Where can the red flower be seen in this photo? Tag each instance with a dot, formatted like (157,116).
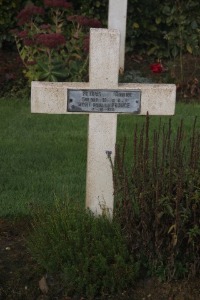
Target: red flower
(157,68)
(57,3)
(30,10)
(50,40)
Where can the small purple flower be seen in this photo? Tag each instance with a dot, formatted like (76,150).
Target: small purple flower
(22,34)
(45,26)
(94,23)
(57,3)
(86,44)
(84,21)
(28,12)
(14,31)
(50,40)
(72,18)
(28,42)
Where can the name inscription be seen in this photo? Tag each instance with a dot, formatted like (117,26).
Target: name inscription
(119,101)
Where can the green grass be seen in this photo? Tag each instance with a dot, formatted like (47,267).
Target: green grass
(187,112)
(43,157)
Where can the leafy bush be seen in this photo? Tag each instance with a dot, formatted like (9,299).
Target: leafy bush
(160,29)
(87,252)
(157,199)
(165,29)
(7,21)
(8,12)
(134,76)
(98,9)
(52,43)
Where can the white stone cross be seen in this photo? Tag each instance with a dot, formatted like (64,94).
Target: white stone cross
(117,12)
(58,98)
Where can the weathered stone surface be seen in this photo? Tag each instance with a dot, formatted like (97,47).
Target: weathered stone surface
(117,12)
(51,98)
(47,97)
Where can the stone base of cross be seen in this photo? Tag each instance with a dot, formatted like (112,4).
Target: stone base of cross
(102,98)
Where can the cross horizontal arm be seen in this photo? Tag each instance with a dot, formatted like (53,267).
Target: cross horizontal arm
(51,98)
(104,92)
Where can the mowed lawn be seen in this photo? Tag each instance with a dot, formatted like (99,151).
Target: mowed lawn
(43,157)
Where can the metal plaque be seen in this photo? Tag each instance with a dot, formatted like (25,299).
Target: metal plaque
(103,101)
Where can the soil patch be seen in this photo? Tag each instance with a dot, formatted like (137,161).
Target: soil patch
(20,274)
(18,271)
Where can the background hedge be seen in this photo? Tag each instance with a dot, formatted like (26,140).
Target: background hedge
(154,27)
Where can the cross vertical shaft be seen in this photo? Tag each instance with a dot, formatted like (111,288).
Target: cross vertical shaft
(104,67)
(53,98)
(117,13)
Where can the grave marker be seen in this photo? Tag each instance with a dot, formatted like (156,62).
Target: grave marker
(117,12)
(103,98)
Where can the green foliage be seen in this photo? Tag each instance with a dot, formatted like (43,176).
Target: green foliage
(157,199)
(142,32)
(98,9)
(134,76)
(88,252)
(7,21)
(183,21)
(52,43)
(165,29)
(56,71)
(157,28)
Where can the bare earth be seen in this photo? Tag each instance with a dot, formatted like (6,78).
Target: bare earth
(20,274)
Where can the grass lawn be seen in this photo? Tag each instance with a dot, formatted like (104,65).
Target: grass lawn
(43,157)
